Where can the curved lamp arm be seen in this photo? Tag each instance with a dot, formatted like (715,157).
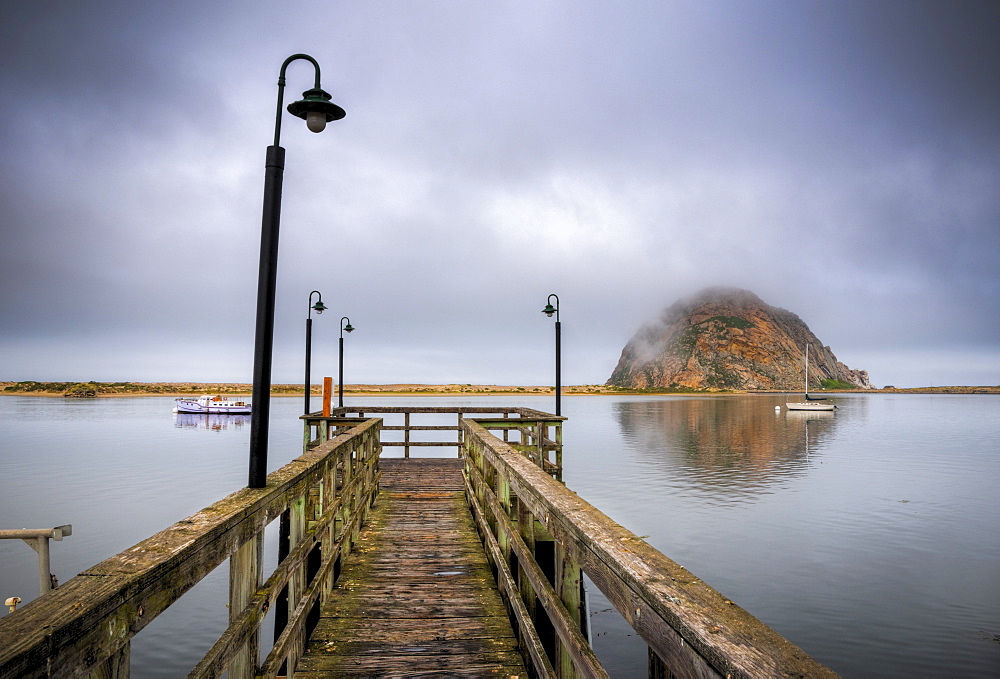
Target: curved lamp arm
(318,306)
(347,328)
(549,309)
(315,106)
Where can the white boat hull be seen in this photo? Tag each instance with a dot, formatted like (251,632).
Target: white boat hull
(207,404)
(810,406)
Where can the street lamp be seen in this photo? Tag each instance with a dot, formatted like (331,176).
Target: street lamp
(317,110)
(320,308)
(548,311)
(343,328)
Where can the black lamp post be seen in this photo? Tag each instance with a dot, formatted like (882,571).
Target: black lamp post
(340,383)
(548,311)
(320,308)
(317,110)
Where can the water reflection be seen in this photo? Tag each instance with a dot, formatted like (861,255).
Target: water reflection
(213,421)
(727,445)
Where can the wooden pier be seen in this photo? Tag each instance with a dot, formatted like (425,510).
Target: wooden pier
(471,565)
(418,592)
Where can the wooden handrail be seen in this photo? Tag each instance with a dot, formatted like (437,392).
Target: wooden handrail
(531,426)
(691,629)
(86,624)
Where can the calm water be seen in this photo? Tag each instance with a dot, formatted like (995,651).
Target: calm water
(868,536)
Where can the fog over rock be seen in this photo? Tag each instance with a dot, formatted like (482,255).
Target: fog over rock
(727,338)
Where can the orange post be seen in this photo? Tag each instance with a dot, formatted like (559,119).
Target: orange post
(327,393)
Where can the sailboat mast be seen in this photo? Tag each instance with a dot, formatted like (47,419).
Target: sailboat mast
(807,371)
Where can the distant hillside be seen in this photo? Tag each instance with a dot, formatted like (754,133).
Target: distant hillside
(726,338)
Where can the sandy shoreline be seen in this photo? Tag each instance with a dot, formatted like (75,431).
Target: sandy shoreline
(180,389)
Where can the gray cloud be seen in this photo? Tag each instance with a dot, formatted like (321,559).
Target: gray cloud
(839,160)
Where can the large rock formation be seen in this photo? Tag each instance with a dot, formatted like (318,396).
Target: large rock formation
(725,338)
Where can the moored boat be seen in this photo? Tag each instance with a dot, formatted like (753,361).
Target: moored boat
(810,405)
(211,404)
(811,402)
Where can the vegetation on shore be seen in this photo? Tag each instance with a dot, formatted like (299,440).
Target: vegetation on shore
(837,384)
(97,389)
(94,389)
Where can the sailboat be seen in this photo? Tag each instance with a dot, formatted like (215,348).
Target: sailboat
(811,403)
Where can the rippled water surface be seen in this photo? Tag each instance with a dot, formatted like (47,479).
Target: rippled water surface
(868,536)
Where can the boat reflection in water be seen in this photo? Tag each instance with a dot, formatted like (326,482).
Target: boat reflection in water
(213,421)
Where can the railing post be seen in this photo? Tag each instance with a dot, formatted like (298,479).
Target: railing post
(559,451)
(307,431)
(503,531)
(339,521)
(569,587)
(281,601)
(526,527)
(375,452)
(358,499)
(245,565)
(540,432)
(348,500)
(115,667)
(297,525)
(44,573)
(406,435)
(327,499)
(656,668)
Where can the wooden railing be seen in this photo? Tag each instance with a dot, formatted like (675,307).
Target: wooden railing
(542,538)
(535,433)
(85,626)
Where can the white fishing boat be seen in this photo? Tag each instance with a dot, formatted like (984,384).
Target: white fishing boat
(811,403)
(211,404)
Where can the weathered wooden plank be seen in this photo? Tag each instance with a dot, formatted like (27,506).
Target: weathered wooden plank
(417,630)
(408,663)
(417,596)
(454,646)
(424,666)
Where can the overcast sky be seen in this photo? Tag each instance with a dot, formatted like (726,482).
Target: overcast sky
(839,159)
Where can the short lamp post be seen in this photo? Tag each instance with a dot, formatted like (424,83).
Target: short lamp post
(317,110)
(340,372)
(320,308)
(549,310)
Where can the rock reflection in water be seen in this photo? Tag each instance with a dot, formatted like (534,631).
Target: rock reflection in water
(725,444)
(213,421)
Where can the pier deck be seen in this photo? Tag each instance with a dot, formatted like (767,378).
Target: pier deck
(417,597)
(472,565)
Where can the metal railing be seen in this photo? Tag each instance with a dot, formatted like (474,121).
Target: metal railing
(38,540)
